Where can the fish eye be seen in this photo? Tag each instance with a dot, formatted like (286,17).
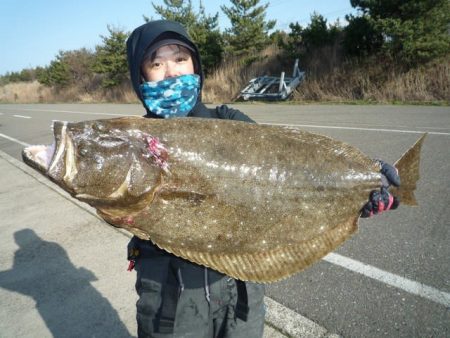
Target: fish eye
(83,151)
(82,148)
(98,126)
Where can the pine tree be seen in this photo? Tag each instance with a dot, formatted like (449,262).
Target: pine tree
(318,33)
(111,58)
(177,10)
(57,74)
(303,41)
(413,30)
(202,28)
(361,38)
(249,32)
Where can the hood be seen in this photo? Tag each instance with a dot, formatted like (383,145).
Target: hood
(147,35)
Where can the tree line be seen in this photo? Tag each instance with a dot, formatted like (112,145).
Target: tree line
(408,32)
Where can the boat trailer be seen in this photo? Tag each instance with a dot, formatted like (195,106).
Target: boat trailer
(272,87)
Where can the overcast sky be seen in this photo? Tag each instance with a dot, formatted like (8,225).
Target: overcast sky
(32,32)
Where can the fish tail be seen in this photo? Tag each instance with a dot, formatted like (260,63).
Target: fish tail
(408,169)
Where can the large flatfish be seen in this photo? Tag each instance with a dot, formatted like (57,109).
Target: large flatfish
(256,202)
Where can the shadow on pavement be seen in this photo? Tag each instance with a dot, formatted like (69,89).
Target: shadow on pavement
(65,299)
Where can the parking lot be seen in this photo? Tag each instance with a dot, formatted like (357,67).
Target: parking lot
(393,277)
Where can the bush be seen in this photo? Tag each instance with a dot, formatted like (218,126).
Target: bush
(304,43)
(111,58)
(413,31)
(57,74)
(360,37)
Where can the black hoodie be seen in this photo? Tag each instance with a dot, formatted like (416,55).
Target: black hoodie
(151,33)
(138,43)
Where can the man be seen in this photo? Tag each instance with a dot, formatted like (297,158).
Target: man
(178,298)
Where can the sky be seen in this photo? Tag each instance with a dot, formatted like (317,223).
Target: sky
(32,32)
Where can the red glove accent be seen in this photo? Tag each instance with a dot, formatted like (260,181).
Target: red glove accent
(379,201)
(131,265)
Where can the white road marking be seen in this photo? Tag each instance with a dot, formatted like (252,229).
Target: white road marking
(274,124)
(22,116)
(73,112)
(14,140)
(399,282)
(372,125)
(357,128)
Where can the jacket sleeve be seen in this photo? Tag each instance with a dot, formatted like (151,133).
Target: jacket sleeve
(225,112)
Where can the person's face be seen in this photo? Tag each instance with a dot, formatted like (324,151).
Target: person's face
(169,61)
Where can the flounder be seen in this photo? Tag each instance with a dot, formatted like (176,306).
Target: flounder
(256,202)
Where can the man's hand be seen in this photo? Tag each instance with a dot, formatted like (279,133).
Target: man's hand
(389,174)
(381,200)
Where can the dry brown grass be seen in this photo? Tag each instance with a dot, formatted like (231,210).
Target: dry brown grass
(224,84)
(328,78)
(34,92)
(121,94)
(24,92)
(430,83)
(379,82)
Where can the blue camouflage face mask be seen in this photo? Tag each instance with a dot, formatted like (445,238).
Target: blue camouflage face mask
(171,97)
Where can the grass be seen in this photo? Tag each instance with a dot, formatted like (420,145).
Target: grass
(372,81)
(329,79)
(24,92)
(226,82)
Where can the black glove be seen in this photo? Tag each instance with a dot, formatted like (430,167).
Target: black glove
(381,200)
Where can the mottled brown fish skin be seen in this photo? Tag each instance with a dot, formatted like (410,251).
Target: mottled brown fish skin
(256,202)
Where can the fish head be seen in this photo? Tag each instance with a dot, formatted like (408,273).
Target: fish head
(102,162)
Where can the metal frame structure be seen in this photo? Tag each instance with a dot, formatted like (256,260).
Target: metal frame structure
(272,87)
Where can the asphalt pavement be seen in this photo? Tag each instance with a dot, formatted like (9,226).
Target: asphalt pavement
(392,279)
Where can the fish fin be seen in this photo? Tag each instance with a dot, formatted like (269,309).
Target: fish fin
(408,167)
(271,265)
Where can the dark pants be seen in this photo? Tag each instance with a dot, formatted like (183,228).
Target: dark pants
(195,316)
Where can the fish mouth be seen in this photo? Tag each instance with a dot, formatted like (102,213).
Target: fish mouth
(51,160)
(39,156)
